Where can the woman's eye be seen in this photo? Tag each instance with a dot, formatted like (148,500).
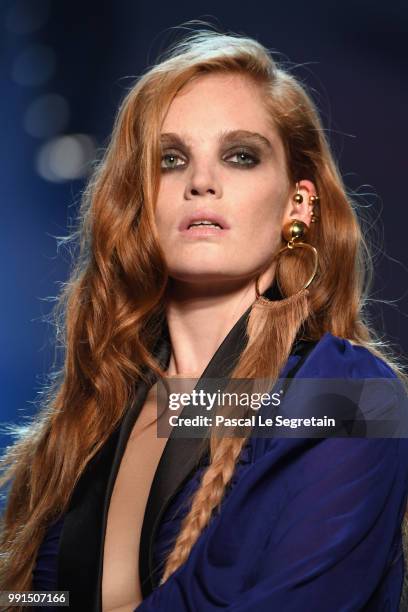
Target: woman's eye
(243,157)
(172,158)
(171,161)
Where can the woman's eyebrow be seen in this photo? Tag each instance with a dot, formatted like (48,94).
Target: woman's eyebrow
(255,137)
(171,138)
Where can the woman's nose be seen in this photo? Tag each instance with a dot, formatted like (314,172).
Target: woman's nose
(203,182)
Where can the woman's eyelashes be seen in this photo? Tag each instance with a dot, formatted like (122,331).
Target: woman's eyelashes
(172,157)
(243,155)
(246,159)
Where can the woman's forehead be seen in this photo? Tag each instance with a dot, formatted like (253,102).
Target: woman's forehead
(213,104)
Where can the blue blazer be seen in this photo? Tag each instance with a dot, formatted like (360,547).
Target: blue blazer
(305,524)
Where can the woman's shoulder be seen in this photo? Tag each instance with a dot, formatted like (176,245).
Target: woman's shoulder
(365,396)
(334,356)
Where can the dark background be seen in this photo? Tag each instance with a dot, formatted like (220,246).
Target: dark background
(65,66)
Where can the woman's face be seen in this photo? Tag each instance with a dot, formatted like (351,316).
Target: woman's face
(221,161)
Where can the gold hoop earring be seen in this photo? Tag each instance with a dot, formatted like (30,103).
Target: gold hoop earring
(293,231)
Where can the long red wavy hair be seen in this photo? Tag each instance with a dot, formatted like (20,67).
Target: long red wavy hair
(110,311)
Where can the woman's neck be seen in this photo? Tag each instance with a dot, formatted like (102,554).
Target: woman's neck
(199,318)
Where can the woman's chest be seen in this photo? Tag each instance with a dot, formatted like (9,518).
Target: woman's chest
(120,581)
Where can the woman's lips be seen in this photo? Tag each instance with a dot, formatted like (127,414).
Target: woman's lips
(201,231)
(203,214)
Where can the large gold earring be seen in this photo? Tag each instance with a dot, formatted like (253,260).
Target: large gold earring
(293,231)
(279,321)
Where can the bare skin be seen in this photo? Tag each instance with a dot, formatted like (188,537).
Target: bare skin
(121,590)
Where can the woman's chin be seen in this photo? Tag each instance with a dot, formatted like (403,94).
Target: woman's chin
(200,276)
(208,279)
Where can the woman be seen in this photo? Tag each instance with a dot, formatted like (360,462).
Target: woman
(201,232)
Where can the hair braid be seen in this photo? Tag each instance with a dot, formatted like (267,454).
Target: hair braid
(208,497)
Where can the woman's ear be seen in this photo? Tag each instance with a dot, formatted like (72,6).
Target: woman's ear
(300,210)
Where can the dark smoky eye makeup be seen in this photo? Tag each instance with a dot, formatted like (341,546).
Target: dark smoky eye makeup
(250,155)
(172,153)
